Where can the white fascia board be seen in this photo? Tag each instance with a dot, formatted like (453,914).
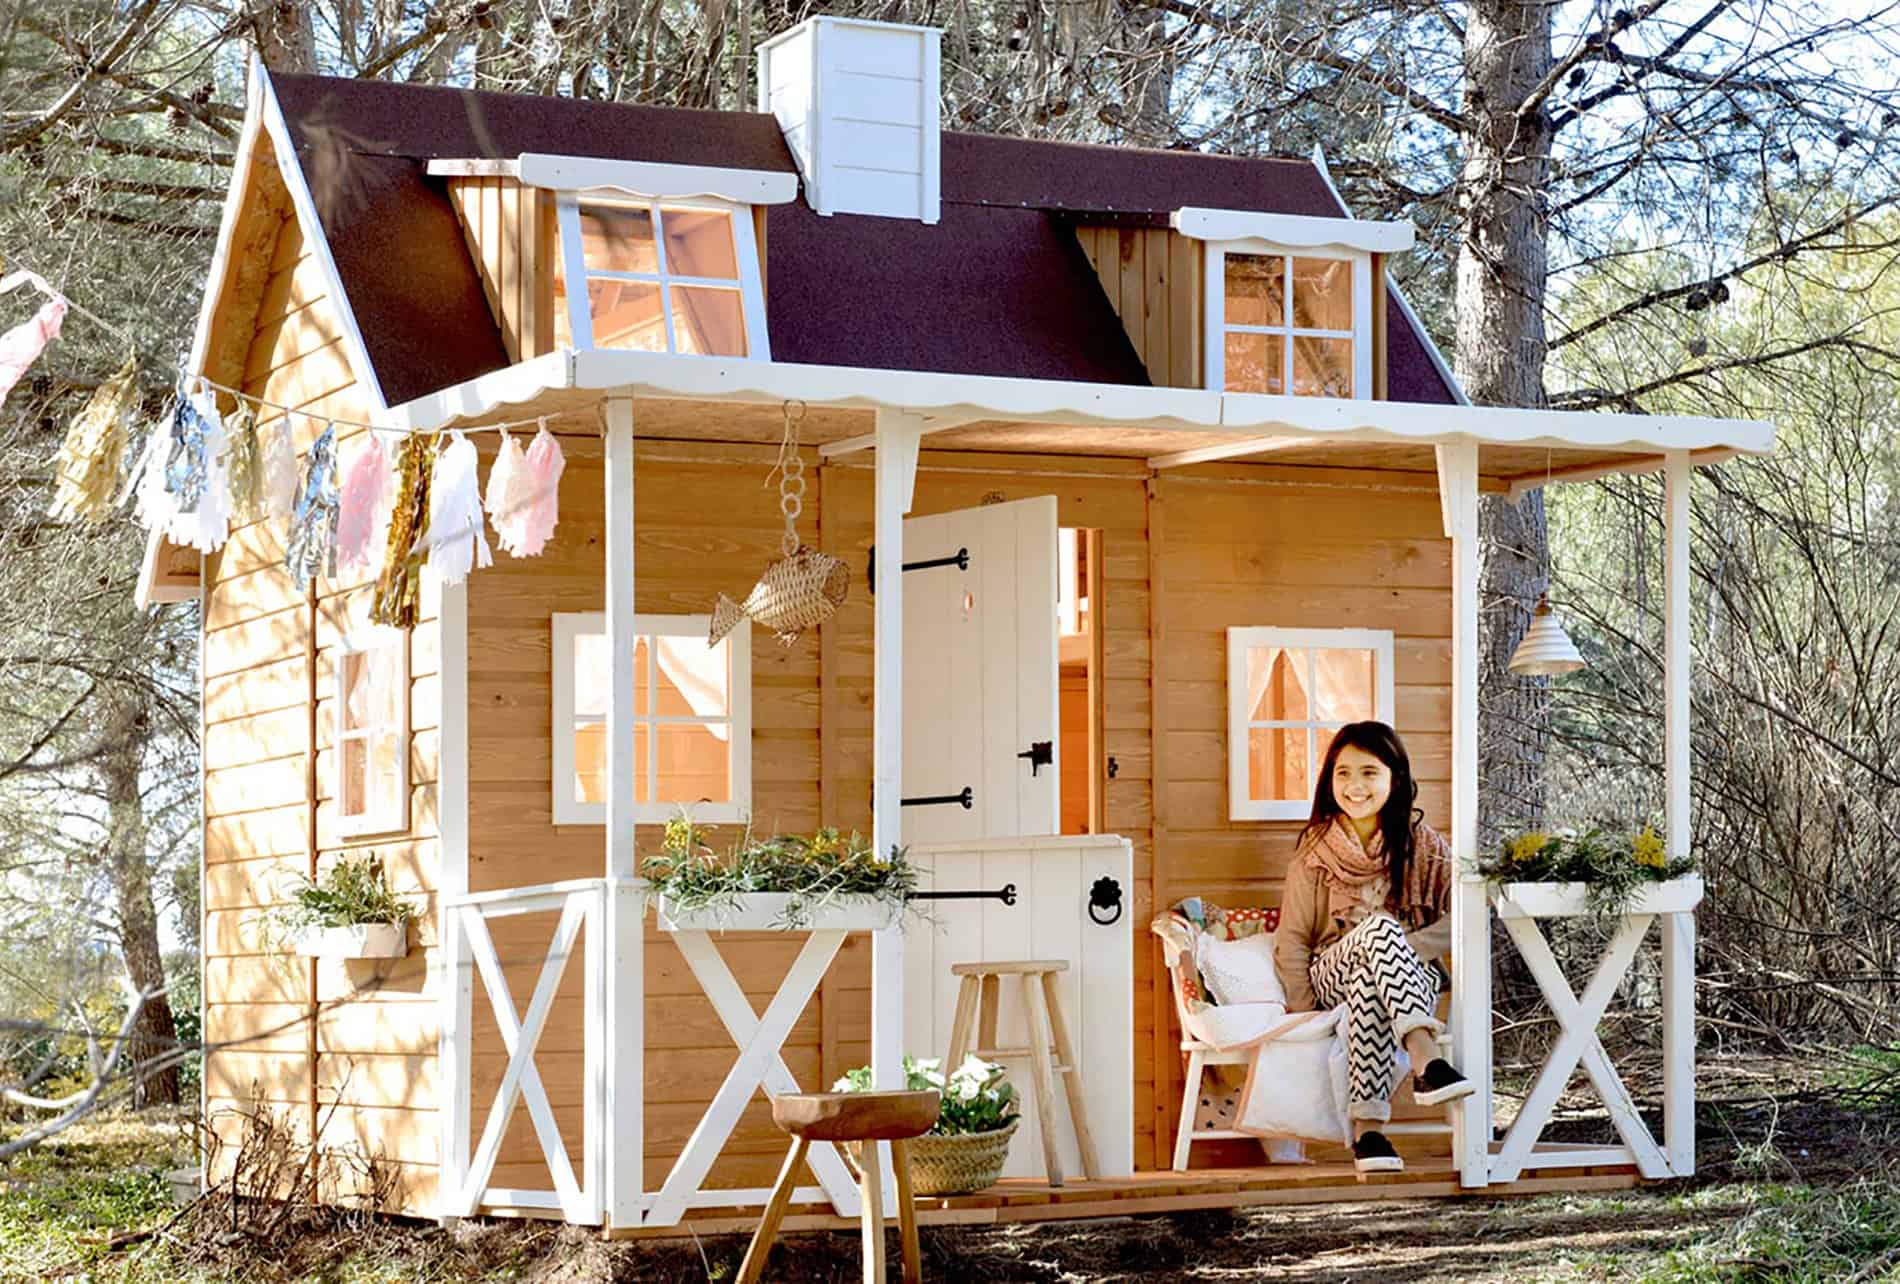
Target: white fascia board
(150,592)
(1293,231)
(977,397)
(833,20)
(654,180)
(290,165)
(234,198)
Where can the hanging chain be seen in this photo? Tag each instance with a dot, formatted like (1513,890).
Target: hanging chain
(791,478)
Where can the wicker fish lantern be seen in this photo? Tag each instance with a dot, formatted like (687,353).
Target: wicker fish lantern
(803,587)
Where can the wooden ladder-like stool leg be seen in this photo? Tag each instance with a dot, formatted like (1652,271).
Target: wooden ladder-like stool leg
(907,1214)
(1042,1075)
(964,1023)
(753,1268)
(1072,1081)
(871,1195)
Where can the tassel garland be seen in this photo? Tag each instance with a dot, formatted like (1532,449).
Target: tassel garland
(508,494)
(364,507)
(86,469)
(242,465)
(195,475)
(544,463)
(397,598)
(458,539)
(21,346)
(277,473)
(311,547)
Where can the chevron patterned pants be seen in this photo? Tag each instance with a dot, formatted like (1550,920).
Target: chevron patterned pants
(1389,991)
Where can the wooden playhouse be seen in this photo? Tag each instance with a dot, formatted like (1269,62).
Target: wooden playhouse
(1159,468)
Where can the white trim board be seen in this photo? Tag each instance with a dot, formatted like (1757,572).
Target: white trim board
(1293,231)
(648,374)
(654,180)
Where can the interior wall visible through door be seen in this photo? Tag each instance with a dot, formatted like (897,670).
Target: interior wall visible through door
(1079,677)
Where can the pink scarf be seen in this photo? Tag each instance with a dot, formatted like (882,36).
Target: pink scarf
(1345,865)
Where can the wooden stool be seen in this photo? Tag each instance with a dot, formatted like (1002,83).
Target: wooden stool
(869,1117)
(1042,1012)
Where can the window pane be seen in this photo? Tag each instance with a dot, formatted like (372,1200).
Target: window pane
(1322,294)
(694,763)
(1255,362)
(1256,289)
(699,243)
(352,786)
(382,663)
(692,678)
(627,315)
(590,763)
(355,713)
(707,321)
(385,775)
(1343,685)
(617,239)
(590,675)
(1322,367)
(1276,685)
(1276,764)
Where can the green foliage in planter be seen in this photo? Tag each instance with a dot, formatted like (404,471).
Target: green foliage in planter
(1613,865)
(814,872)
(976,1096)
(351,891)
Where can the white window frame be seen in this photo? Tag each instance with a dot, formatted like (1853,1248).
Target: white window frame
(1241,640)
(393,816)
(569,809)
(576,273)
(1216,325)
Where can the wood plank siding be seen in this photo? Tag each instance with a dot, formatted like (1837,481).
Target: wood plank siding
(348,1043)
(510,233)
(1152,277)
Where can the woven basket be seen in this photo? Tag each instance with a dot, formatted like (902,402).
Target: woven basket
(957,1165)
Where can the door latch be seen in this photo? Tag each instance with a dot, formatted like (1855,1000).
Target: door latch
(1041,753)
(1105,901)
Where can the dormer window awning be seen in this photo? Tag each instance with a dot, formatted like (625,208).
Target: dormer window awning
(1294,231)
(593,175)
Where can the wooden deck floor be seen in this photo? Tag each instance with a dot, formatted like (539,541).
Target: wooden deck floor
(1024,1200)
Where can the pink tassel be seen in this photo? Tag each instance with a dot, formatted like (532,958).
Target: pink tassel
(508,494)
(365,504)
(544,466)
(21,346)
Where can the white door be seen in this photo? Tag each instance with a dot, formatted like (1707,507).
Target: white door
(980,673)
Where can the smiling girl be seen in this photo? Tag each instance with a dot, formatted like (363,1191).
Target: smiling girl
(1366,905)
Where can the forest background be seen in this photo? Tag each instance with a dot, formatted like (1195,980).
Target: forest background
(1651,205)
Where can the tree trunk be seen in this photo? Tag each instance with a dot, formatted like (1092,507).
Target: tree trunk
(1502,270)
(155,1034)
(286,38)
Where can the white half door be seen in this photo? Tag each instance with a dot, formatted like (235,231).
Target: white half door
(980,673)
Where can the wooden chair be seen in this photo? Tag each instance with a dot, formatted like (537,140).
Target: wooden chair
(977,1000)
(868,1118)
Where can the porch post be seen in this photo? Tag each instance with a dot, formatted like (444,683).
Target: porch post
(1470,912)
(456,1036)
(1678,930)
(897,437)
(617,1069)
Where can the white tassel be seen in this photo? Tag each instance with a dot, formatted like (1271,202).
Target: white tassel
(277,473)
(154,504)
(208,523)
(458,540)
(508,495)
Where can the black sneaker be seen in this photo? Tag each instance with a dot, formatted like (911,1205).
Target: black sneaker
(1372,1153)
(1440,1083)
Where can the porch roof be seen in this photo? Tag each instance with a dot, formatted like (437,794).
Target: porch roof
(1169,427)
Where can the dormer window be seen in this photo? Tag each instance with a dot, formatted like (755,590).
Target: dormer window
(1289,306)
(679,276)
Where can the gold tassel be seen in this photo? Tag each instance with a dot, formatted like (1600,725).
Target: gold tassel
(240,435)
(86,469)
(397,600)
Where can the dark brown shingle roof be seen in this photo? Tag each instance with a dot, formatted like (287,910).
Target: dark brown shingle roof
(998,287)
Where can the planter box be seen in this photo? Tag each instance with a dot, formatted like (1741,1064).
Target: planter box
(357,941)
(765,912)
(1564,900)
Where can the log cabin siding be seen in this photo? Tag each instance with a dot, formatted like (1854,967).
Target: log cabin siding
(510,233)
(1152,277)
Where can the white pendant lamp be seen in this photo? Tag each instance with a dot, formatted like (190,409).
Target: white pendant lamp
(1546,650)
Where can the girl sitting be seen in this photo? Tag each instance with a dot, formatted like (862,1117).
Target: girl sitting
(1367,904)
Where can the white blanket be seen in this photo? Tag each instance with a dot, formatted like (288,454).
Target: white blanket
(1296,1084)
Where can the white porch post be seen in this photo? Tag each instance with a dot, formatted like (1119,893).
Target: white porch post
(1470,912)
(457,1013)
(1678,930)
(618,1072)
(898,434)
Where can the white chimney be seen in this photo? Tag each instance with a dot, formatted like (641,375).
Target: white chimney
(858,103)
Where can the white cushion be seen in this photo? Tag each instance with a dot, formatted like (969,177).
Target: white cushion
(1233,1025)
(1241,971)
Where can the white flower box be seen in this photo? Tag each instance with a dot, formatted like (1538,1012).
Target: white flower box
(357,941)
(1565,900)
(765,912)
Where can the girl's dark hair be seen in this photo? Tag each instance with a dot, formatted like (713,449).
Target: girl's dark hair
(1400,810)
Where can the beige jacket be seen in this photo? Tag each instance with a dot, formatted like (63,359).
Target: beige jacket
(1314,914)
